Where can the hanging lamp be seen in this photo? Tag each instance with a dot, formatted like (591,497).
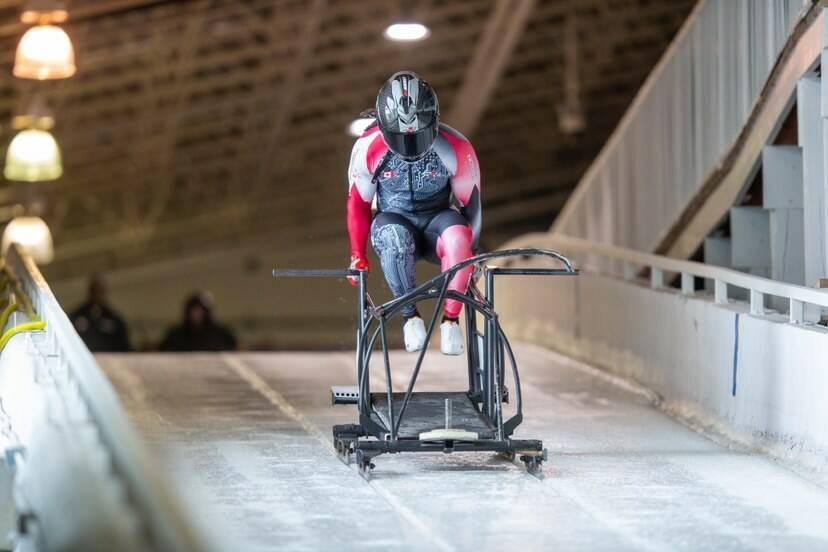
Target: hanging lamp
(45,51)
(33,235)
(33,154)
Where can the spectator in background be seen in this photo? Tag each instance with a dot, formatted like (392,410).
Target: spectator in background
(100,327)
(198,331)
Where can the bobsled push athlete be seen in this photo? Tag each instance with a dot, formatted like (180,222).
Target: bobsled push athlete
(426,180)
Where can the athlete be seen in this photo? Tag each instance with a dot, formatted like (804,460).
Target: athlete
(426,180)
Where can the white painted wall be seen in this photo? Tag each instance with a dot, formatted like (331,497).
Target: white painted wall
(683,348)
(294,313)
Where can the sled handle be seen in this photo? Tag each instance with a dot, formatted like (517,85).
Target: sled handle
(315,272)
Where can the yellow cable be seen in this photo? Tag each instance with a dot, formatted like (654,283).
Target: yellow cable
(4,281)
(20,328)
(4,316)
(21,297)
(33,325)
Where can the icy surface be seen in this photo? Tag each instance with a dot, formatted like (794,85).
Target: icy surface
(250,436)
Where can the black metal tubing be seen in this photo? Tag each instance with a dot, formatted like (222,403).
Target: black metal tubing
(494,338)
(532,271)
(510,424)
(364,383)
(473,356)
(416,445)
(315,272)
(379,314)
(496,348)
(362,366)
(390,390)
(448,274)
(421,356)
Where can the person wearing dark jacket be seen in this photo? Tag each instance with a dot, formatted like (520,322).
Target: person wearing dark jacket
(100,327)
(198,331)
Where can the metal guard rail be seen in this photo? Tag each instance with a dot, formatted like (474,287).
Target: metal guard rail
(632,261)
(162,524)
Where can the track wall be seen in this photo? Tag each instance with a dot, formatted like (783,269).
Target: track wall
(758,380)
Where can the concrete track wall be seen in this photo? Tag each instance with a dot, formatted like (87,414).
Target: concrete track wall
(73,474)
(757,379)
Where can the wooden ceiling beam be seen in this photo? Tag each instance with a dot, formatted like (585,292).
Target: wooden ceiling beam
(503,29)
(85,11)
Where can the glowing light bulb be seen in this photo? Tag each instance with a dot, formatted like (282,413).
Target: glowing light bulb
(407,32)
(33,156)
(45,52)
(358,126)
(33,235)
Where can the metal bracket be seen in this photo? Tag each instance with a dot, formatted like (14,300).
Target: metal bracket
(344,394)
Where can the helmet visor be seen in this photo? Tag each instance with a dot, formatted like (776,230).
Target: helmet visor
(410,145)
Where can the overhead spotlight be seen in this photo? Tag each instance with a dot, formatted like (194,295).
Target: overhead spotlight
(45,51)
(407,32)
(358,126)
(33,235)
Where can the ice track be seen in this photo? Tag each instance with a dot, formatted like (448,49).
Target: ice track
(248,435)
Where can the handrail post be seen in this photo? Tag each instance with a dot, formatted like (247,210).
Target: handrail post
(757,302)
(796,312)
(720,292)
(656,278)
(688,283)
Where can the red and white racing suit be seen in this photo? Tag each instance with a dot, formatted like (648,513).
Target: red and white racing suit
(416,215)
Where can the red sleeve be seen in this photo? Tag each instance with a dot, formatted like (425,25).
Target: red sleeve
(359,222)
(465,180)
(466,177)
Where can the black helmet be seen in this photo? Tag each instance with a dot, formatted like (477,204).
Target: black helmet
(408,115)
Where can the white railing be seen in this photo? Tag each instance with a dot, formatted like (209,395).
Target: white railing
(595,256)
(684,121)
(81,477)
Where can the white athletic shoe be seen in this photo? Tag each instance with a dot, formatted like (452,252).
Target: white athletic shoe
(451,338)
(415,334)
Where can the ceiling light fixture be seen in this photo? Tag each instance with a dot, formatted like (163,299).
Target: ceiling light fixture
(33,235)
(45,51)
(33,156)
(407,32)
